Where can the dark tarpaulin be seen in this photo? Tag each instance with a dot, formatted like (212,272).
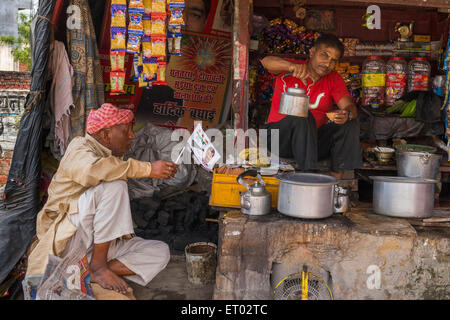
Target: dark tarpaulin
(20,205)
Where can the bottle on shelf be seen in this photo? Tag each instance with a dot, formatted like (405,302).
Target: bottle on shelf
(373,82)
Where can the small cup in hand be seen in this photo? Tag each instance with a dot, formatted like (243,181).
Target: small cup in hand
(331,115)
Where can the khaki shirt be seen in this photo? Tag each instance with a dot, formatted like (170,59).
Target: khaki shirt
(85,164)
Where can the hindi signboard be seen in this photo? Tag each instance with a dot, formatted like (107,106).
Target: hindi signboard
(197,83)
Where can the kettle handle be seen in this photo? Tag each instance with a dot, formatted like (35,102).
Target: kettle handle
(249,173)
(289,74)
(282,79)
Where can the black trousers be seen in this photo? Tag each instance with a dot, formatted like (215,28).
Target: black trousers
(300,139)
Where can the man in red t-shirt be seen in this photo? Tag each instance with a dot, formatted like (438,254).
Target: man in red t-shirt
(314,138)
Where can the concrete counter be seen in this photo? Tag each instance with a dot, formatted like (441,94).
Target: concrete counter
(360,255)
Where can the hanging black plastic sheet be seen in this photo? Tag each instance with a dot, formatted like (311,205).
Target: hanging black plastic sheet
(20,203)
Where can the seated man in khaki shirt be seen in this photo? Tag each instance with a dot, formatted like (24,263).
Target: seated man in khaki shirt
(89,194)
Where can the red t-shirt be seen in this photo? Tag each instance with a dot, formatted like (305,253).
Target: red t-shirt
(332,85)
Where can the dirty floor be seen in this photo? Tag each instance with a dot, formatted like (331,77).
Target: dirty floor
(172,284)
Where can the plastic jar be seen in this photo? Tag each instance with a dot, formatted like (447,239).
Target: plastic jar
(396,73)
(419,70)
(373,81)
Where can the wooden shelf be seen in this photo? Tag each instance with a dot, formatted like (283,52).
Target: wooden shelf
(287,55)
(304,56)
(281,55)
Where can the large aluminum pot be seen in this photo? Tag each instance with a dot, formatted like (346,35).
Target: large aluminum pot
(418,164)
(403,197)
(306,195)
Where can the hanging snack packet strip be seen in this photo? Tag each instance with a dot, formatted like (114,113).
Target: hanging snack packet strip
(117,60)
(158,46)
(161,74)
(144,84)
(118,37)
(158,6)
(158,24)
(170,45)
(118,15)
(148,6)
(150,69)
(172,30)
(174,41)
(137,4)
(136,68)
(176,14)
(134,41)
(141,67)
(136,19)
(117,82)
(146,47)
(174,46)
(147,19)
(122,2)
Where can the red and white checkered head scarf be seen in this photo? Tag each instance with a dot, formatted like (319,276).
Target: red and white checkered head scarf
(107,116)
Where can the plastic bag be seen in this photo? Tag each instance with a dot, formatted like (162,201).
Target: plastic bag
(68,277)
(154,143)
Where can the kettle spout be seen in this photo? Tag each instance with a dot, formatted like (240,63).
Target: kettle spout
(316,104)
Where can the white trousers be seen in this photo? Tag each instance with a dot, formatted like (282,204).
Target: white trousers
(104,215)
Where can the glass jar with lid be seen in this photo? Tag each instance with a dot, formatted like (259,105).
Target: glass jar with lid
(419,71)
(396,73)
(373,81)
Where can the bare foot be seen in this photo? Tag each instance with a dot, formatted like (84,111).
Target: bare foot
(109,280)
(337,175)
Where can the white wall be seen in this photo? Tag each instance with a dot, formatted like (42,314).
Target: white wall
(8,15)
(7,60)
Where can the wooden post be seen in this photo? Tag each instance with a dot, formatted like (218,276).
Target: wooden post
(241,42)
(57,12)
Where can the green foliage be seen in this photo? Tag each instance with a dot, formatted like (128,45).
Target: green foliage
(21,49)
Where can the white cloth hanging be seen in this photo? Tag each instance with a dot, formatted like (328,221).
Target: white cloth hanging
(61,99)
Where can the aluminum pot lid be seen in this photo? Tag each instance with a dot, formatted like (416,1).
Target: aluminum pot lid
(308,179)
(402,179)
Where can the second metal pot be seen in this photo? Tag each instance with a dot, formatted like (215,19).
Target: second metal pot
(403,197)
(418,164)
(306,195)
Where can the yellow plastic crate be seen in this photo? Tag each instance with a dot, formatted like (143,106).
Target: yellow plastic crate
(225,190)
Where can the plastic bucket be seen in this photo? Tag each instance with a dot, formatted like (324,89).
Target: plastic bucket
(201,262)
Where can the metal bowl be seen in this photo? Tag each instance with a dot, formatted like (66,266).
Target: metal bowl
(384,155)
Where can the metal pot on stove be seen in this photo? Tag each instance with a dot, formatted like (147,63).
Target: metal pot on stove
(403,197)
(306,195)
